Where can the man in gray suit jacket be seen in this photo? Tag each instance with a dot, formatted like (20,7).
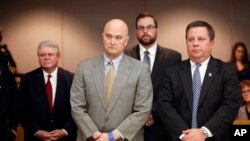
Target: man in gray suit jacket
(122,115)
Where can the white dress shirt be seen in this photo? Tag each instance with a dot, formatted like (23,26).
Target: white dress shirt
(202,68)
(152,54)
(53,80)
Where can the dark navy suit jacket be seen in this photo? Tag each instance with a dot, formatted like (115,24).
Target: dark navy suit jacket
(36,113)
(219,101)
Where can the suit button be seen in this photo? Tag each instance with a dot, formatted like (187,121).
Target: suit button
(51,121)
(107,119)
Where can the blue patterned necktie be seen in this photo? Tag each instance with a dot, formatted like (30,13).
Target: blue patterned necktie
(146,58)
(196,94)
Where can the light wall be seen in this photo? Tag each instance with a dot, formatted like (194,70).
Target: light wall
(76,25)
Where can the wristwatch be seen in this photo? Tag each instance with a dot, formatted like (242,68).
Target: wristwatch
(204,132)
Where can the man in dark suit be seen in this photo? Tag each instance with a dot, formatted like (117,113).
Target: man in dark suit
(200,97)
(46,94)
(8,98)
(160,58)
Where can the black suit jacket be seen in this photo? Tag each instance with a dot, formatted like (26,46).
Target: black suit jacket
(8,100)
(163,60)
(36,113)
(218,105)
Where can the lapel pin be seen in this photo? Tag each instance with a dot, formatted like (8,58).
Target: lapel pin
(210,74)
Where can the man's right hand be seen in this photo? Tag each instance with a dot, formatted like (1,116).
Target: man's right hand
(150,120)
(43,135)
(96,135)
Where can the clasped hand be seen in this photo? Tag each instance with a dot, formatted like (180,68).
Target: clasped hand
(50,136)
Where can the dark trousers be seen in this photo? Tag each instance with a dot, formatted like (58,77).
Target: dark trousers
(7,136)
(155,132)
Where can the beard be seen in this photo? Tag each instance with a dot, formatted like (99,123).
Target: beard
(146,40)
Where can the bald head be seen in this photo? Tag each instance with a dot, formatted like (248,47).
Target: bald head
(115,38)
(118,25)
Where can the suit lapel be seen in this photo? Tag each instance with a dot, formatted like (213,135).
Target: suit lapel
(120,80)
(98,74)
(185,73)
(210,74)
(158,59)
(59,90)
(136,53)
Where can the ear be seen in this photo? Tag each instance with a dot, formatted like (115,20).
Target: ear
(212,43)
(127,39)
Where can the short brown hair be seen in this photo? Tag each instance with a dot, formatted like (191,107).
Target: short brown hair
(210,29)
(145,14)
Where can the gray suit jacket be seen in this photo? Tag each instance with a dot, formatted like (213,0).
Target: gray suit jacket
(131,99)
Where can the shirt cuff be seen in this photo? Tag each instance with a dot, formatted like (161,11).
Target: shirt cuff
(120,134)
(13,131)
(65,132)
(36,133)
(208,131)
(181,136)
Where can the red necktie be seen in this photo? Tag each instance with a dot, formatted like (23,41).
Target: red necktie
(49,92)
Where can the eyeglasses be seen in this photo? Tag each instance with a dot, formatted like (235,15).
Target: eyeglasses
(245,91)
(110,36)
(149,28)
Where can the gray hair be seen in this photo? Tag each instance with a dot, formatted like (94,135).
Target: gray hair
(50,44)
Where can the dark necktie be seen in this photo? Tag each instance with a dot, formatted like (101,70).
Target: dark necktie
(196,94)
(146,58)
(49,92)
(110,81)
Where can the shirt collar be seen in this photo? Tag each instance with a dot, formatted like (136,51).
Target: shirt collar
(151,50)
(115,61)
(53,74)
(204,63)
